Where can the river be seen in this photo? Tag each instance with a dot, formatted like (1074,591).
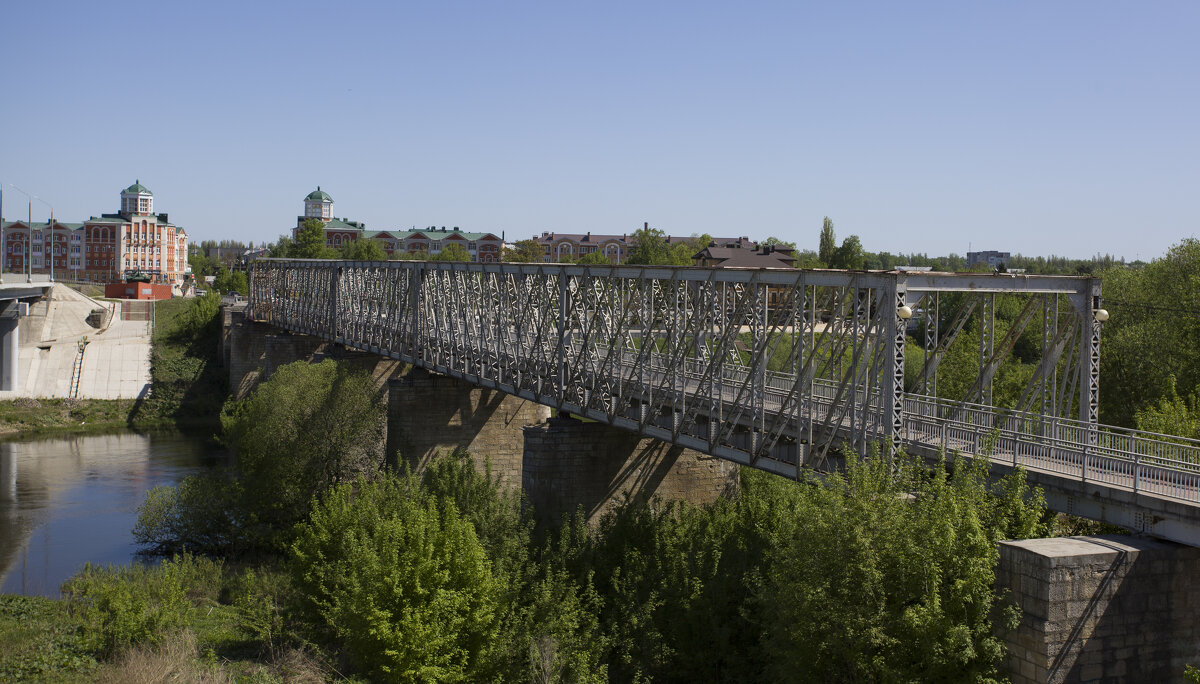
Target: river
(69,500)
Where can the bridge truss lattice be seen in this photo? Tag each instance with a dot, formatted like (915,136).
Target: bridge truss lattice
(766,367)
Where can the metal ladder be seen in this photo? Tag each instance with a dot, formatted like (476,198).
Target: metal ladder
(77,370)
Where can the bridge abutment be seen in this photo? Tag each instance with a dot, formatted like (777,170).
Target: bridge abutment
(430,413)
(1106,608)
(571,464)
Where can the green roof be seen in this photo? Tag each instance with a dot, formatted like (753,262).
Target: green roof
(137,189)
(318,195)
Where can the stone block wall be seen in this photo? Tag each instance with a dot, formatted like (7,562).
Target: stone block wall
(570,464)
(430,413)
(257,349)
(253,350)
(1102,609)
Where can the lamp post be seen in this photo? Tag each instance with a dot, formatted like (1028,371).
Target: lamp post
(29,250)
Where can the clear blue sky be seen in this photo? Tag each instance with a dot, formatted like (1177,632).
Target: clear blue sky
(1035,127)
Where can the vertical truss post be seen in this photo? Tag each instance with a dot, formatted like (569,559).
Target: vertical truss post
(561,360)
(987,341)
(1089,359)
(894,375)
(932,316)
(333,301)
(1049,321)
(416,276)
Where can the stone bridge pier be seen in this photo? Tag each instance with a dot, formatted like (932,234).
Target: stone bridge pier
(560,464)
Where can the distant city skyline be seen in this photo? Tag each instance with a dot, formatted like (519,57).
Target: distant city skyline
(1032,128)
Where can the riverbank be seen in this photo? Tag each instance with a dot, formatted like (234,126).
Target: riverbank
(187,388)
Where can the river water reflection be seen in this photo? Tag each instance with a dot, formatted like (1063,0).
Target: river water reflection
(66,501)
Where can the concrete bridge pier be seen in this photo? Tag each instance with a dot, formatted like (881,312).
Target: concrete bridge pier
(571,464)
(430,413)
(1107,608)
(10,337)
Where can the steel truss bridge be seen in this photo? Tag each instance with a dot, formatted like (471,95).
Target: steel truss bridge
(775,369)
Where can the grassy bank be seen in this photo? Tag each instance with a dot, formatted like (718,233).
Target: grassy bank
(187,386)
(34,416)
(210,624)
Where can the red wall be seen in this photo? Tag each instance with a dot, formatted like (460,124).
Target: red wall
(137,291)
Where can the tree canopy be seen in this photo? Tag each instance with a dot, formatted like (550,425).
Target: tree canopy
(828,243)
(524,251)
(364,249)
(310,242)
(453,252)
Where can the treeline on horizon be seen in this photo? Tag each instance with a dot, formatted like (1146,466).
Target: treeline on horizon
(649,247)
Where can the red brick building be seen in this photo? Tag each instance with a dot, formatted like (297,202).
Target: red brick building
(103,248)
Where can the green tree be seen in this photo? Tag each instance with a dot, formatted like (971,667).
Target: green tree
(828,243)
(453,252)
(681,253)
(363,249)
(231,281)
(400,581)
(1153,335)
(850,255)
(281,248)
(1172,414)
(524,251)
(596,257)
(776,242)
(308,427)
(202,265)
(649,248)
(310,242)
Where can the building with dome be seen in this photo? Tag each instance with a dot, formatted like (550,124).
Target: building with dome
(103,248)
(483,247)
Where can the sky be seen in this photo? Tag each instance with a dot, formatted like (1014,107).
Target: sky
(1063,127)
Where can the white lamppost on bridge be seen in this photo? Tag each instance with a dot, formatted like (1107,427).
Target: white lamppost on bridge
(3,245)
(49,227)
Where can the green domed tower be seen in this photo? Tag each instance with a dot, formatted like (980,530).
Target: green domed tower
(137,199)
(319,205)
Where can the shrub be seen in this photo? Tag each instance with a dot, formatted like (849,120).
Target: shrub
(401,583)
(123,606)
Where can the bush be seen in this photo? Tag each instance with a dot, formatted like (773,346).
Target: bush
(888,575)
(201,318)
(400,583)
(123,606)
(548,627)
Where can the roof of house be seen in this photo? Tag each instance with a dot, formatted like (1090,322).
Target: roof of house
(630,239)
(727,257)
(431,234)
(40,225)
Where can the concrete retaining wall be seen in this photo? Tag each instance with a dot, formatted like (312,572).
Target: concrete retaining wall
(1110,608)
